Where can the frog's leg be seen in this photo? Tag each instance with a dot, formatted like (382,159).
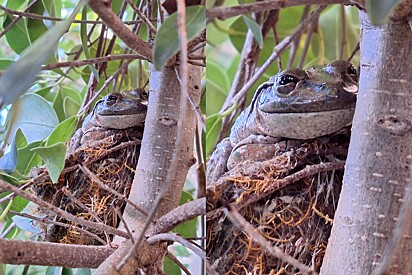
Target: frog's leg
(216,165)
(254,148)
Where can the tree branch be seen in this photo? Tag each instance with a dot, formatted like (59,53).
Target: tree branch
(104,10)
(52,254)
(79,63)
(227,12)
(175,238)
(179,215)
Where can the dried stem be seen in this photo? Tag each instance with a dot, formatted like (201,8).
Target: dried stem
(253,232)
(96,60)
(227,12)
(102,227)
(103,9)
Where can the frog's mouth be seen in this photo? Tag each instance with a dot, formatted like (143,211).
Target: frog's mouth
(120,121)
(304,107)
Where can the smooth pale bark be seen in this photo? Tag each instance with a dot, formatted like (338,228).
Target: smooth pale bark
(158,146)
(380,153)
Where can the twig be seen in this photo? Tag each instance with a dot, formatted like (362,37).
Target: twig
(281,183)
(102,227)
(253,232)
(7,231)
(50,18)
(227,12)
(179,215)
(47,221)
(176,238)
(17,19)
(96,60)
(94,178)
(119,214)
(103,9)
(344,40)
(177,262)
(85,208)
(142,16)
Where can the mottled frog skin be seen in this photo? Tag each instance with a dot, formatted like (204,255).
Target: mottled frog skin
(114,111)
(294,104)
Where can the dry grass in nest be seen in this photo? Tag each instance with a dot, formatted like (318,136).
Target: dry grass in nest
(289,204)
(77,194)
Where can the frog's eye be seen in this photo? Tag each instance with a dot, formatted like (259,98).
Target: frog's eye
(111,99)
(352,70)
(286,84)
(286,79)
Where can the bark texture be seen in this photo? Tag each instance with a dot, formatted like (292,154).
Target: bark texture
(52,254)
(380,154)
(158,146)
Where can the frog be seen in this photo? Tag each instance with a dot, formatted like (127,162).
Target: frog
(108,144)
(115,111)
(295,104)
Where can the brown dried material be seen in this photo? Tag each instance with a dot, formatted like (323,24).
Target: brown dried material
(113,164)
(295,195)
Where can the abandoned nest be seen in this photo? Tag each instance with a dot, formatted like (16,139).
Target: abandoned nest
(113,163)
(290,199)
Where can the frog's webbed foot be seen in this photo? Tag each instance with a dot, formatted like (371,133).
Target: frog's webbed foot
(216,165)
(255,148)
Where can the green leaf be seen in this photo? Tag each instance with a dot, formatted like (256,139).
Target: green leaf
(167,41)
(4,63)
(36,27)
(54,157)
(63,131)
(54,270)
(21,140)
(27,158)
(20,75)
(213,125)
(170,267)
(217,85)
(8,178)
(17,37)
(34,116)
(379,11)
(70,107)
(255,29)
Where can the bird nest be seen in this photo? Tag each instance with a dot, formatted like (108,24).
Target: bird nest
(290,200)
(112,160)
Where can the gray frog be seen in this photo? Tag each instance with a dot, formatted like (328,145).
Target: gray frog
(294,104)
(114,111)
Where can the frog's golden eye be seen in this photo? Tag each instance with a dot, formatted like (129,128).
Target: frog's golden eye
(111,99)
(352,70)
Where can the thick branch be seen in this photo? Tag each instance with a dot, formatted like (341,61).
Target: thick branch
(227,12)
(104,10)
(52,254)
